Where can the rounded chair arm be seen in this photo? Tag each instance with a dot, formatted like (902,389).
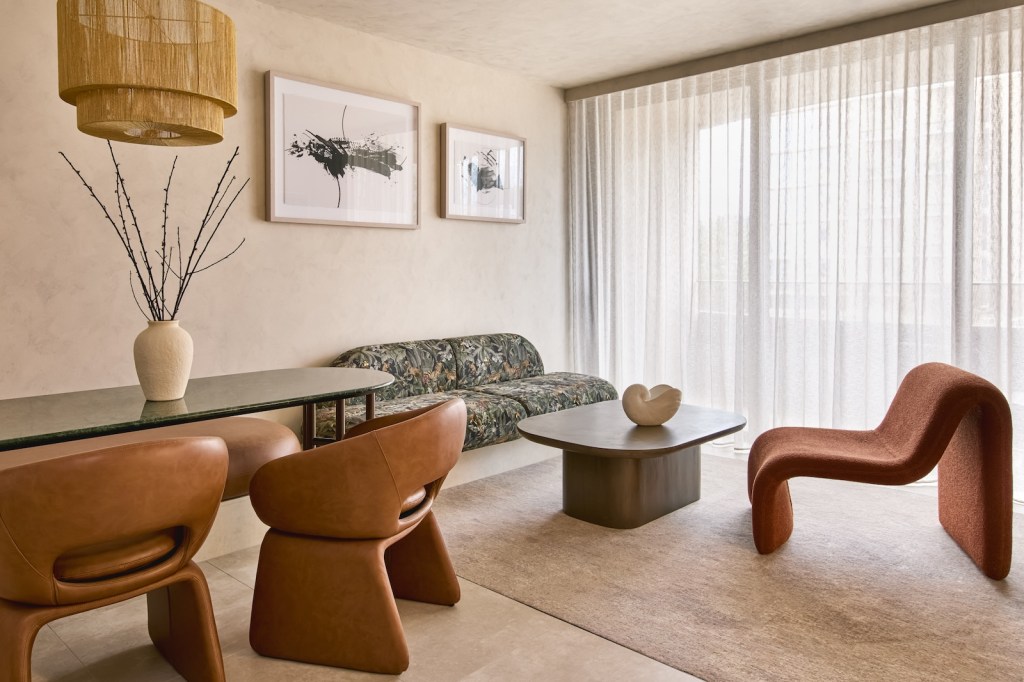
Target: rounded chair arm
(385,421)
(341,490)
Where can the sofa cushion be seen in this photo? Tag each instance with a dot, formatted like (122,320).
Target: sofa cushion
(553,392)
(490,358)
(490,418)
(419,367)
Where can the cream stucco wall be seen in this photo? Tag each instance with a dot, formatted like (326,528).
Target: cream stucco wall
(295,295)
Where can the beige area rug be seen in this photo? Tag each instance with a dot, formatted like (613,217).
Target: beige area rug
(868,588)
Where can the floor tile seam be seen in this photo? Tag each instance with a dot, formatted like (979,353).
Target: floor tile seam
(67,646)
(210,563)
(575,626)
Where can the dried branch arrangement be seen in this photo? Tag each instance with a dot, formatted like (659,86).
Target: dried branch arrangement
(162,281)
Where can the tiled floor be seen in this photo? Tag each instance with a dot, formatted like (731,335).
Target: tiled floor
(484,637)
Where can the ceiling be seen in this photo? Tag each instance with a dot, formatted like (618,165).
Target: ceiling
(567,43)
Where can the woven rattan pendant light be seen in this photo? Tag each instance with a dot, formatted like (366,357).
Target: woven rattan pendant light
(147,71)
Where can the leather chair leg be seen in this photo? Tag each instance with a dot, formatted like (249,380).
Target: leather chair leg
(976,493)
(19,626)
(419,567)
(326,601)
(771,513)
(182,626)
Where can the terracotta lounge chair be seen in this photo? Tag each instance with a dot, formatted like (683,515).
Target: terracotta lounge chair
(940,415)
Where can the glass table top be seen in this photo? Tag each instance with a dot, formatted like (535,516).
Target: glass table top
(38,420)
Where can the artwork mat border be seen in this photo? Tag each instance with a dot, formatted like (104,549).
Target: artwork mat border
(272,153)
(446,177)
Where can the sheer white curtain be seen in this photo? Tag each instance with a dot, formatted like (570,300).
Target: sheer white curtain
(787,239)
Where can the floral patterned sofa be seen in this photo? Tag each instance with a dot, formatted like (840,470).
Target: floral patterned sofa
(499,376)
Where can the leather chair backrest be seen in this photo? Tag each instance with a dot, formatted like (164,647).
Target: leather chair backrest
(70,506)
(356,488)
(413,466)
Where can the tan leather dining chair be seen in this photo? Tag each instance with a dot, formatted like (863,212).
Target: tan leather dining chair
(82,531)
(351,529)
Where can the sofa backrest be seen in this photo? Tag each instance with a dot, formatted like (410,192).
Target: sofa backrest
(419,367)
(489,358)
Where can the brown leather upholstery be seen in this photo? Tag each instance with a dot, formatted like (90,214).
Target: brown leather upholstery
(110,559)
(252,442)
(940,415)
(85,530)
(351,529)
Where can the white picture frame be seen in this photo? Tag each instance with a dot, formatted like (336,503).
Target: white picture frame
(339,156)
(484,174)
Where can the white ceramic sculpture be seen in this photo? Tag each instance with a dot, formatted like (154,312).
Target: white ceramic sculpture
(653,407)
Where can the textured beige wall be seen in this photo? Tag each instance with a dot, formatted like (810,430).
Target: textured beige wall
(295,295)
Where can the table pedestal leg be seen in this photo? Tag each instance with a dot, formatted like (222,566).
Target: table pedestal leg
(624,492)
(339,419)
(369,406)
(308,425)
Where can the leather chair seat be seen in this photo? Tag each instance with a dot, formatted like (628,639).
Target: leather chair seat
(110,559)
(252,442)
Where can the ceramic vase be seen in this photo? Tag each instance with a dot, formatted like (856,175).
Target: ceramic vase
(163,360)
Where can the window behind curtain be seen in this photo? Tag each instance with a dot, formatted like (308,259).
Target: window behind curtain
(788,238)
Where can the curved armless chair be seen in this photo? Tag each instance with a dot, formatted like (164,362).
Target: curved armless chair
(351,529)
(939,415)
(82,531)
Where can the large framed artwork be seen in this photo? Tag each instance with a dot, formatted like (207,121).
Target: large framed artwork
(340,156)
(484,175)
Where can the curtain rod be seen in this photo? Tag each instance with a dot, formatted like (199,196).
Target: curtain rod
(862,30)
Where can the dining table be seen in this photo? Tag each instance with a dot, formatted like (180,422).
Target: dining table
(42,419)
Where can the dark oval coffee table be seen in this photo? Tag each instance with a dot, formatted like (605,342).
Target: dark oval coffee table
(620,475)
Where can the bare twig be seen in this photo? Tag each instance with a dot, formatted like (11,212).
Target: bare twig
(138,232)
(178,229)
(123,237)
(211,209)
(191,271)
(153,286)
(126,238)
(139,305)
(222,258)
(216,190)
(163,231)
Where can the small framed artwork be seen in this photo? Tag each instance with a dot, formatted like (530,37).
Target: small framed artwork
(340,156)
(484,175)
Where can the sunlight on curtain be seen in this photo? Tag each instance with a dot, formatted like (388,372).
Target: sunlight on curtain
(787,239)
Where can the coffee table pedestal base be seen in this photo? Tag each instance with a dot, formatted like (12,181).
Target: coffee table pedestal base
(627,492)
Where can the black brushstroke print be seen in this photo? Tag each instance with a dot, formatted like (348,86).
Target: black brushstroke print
(339,154)
(483,176)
